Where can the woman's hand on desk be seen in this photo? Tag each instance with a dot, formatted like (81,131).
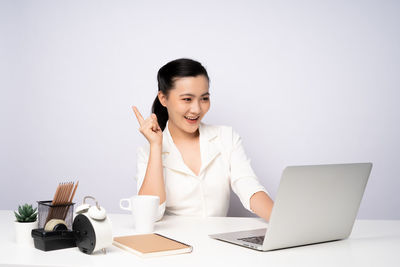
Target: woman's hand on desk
(149,127)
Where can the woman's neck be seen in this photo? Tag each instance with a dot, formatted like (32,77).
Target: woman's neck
(179,135)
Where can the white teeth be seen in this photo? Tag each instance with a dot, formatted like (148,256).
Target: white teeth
(189,118)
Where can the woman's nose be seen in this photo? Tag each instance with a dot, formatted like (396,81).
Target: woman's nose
(195,107)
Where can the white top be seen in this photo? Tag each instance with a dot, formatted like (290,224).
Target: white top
(224,165)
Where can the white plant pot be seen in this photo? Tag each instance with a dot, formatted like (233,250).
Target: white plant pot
(23,232)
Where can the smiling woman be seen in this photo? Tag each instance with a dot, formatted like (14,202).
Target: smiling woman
(192,166)
(187,103)
(189,79)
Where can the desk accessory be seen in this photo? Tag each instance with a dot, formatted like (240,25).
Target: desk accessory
(52,240)
(151,245)
(62,201)
(48,213)
(55,220)
(92,228)
(26,213)
(26,220)
(144,210)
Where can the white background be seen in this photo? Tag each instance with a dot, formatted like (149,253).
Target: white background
(303,82)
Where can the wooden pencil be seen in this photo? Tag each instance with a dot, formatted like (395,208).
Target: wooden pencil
(53,203)
(62,200)
(73,193)
(55,195)
(66,200)
(57,200)
(70,200)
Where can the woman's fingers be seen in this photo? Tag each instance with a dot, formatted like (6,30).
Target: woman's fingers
(149,124)
(138,115)
(154,118)
(154,125)
(149,127)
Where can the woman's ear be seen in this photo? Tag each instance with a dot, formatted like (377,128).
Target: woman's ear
(162,98)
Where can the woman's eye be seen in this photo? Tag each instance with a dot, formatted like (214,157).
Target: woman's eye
(206,98)
(186,99)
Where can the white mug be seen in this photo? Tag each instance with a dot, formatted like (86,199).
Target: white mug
(144,209)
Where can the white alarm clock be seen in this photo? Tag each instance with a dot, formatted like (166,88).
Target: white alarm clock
(92,228)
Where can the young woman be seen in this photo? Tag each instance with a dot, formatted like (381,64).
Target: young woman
(191,166)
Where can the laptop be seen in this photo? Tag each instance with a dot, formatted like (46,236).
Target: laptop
(313,204)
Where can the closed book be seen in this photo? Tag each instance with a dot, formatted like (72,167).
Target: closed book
(151,245)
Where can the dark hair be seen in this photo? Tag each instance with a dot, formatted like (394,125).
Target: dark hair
(166,77)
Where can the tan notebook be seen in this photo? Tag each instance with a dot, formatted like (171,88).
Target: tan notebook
(151,245)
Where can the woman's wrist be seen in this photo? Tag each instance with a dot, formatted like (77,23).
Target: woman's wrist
(156,146)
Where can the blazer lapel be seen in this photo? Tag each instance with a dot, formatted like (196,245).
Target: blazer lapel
(172,158)
(208,147)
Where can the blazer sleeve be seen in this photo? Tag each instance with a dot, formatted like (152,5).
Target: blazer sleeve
(142,160)
(244,182)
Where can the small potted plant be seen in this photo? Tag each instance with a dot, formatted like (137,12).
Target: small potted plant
(26,221)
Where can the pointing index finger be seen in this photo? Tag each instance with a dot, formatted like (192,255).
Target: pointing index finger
(138,115)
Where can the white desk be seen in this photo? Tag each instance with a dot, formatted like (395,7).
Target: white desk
(372,243)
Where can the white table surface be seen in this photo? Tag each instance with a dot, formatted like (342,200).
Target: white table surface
(372,243)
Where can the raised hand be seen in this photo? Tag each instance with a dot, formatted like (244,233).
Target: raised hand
(149,127)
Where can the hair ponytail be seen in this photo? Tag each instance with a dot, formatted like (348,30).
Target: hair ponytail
(166,77)
(161,113)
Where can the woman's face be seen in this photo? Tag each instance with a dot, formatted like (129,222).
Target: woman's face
(187,102)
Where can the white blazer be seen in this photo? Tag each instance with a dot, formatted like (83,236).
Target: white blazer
(224,165)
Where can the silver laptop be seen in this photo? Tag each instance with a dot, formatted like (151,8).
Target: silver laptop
(314,204)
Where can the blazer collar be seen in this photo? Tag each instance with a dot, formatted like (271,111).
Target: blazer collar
(209,150)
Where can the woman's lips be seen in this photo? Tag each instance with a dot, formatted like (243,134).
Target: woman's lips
(191,121)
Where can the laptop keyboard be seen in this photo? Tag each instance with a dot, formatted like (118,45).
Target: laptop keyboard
(254,239)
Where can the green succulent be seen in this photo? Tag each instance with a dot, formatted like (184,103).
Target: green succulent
(26,213)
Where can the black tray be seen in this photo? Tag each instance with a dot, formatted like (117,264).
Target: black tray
(47,241)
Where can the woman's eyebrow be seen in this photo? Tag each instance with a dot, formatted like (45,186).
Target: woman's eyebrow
(192,95)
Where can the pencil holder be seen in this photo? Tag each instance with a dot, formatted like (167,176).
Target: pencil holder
(47,211)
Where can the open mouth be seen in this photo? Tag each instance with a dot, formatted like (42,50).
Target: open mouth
(192,119)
